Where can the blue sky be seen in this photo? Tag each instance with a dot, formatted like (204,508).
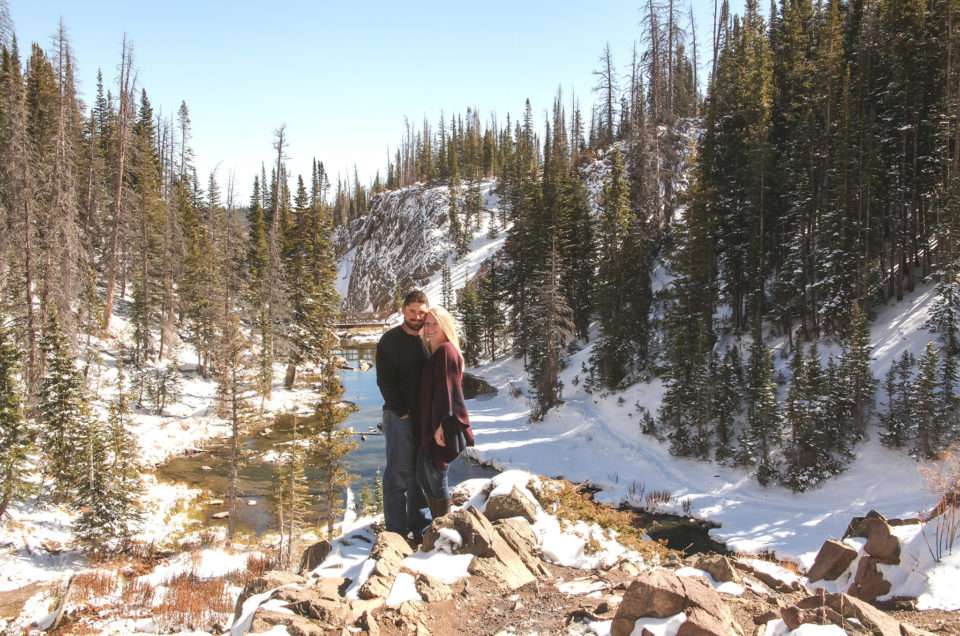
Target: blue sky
(341,76)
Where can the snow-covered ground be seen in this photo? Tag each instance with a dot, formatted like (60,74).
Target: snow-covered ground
(588,439)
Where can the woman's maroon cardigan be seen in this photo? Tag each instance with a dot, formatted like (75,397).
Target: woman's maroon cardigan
(441,404)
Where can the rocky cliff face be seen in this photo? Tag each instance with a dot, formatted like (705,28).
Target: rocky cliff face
(404,240)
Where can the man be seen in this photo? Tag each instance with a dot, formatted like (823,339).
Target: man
(399,360)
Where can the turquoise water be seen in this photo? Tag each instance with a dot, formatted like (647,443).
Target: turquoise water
(257,480)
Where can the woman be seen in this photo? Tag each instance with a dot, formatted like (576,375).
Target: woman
(444,423)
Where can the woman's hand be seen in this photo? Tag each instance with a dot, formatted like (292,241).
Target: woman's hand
(438,436)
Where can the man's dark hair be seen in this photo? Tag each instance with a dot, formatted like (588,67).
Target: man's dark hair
(416,296)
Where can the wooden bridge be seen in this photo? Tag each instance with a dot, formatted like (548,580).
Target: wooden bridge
(357,319)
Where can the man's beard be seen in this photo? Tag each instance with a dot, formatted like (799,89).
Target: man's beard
(413,326)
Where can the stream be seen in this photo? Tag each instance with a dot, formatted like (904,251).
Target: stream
(209,469)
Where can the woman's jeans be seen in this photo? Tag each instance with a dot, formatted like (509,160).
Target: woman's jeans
(404,506)
(433,480)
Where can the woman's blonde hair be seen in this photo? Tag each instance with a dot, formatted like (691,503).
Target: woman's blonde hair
(447,324)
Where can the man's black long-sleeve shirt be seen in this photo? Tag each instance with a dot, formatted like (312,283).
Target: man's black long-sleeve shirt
(399,360)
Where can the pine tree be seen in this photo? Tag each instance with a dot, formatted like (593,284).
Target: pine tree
(292,492)
(16,436)
(927,408)
(234,375)
(472,320)
(446,286)
(109,497)
(553,324)
(760,438)
(623,294)
(257,259)
(897,422)
(331,443)
(857,379)
(62,404)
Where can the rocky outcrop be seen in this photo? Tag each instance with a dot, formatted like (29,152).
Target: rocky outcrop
(661,593)
(832,560)
(514,504)
(314,556)
(882,547)
(506,565)
(403,240)
(389,552)
(851,614)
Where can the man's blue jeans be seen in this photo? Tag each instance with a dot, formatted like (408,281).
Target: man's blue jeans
(404,506)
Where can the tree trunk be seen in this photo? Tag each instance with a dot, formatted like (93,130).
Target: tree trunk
(125,90)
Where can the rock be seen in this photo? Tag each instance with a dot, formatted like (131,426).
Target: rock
(881,544)
(519,527)
(868,582)
(476,532)
(432,589)
(296,625)
(409,618)
(515,504)
(519,536)
(503,575)
(220,515)
(766,578)
(215,502)
(630,568)
(717,566)
(855,616)
(873,621)
(660,593)
(859,526)
(765,617)
(700,622)
(314,556)
(793,617)
(270,580)
(832,560)
(389,551)
(313,604)
(367,623)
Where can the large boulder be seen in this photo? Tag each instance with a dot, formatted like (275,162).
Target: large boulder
(717,566)
(389,551)
(660,593)
(269,581)
(514,504)
(476,532)
(519,536)
(295,625)
(314,556)
(853,615)
(832,560)
(868,582)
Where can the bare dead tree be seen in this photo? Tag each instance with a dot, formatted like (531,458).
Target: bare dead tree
(126,85)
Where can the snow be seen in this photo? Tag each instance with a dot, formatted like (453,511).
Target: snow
(592,439)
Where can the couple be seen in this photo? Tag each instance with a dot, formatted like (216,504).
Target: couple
(425,421)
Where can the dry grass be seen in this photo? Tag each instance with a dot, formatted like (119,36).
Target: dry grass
(257,565)
(137,593)
(94,584)
(657,497)
(193,602)
(942,483)
(569,502)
